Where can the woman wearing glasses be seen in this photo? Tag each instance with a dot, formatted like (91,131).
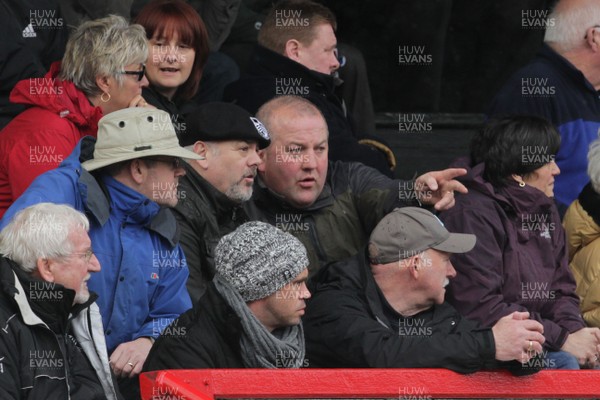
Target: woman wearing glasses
(102,71)
(178,49)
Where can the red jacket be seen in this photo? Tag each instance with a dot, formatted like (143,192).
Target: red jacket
(42,136)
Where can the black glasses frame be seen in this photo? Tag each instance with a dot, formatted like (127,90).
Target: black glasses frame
(140,73)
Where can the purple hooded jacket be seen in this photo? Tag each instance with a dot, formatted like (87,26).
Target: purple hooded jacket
(519,262)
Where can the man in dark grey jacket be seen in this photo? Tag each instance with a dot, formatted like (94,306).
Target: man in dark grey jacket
(211,193)
(389,311)
(332,207)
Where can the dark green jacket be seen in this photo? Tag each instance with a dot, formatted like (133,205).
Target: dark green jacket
(338,224)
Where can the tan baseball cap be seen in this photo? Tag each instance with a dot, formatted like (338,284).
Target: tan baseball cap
(135,133)
(408,231)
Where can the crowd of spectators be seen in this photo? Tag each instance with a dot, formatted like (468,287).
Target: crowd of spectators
(253,225)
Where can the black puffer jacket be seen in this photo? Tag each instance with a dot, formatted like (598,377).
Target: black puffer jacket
(207,336)
(42,351)
(271,74)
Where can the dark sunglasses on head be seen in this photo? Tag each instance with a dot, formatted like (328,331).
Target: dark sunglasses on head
(140,73)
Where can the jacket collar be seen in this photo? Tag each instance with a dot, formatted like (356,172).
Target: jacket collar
(590,201)
(372,292)
(566,68)
(512,198)
(96,197)
(59,97)
(266,198)
(354,272)
(137,209)
(280,66)
(218,201)
(160,101)
(40,302)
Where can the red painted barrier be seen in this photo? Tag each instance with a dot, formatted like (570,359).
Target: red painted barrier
(402,384)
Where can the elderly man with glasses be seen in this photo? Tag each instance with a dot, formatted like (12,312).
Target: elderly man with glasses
(51,339)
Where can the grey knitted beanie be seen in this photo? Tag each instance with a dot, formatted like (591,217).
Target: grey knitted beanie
(258,259)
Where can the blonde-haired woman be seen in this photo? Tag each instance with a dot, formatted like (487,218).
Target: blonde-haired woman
(102,71)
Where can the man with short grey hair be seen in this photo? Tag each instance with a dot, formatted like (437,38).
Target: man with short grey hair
(128,174)
(385,308)
(561,84)
(52,339)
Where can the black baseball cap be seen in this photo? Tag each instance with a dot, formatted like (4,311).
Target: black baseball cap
(220,121)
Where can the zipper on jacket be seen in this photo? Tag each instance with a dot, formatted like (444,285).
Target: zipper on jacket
(316,242)
(65,357)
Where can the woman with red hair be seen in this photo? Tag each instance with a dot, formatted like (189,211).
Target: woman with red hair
(178,49)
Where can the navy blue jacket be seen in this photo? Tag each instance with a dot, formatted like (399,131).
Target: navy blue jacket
(552,88)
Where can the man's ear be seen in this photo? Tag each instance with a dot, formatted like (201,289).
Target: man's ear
(262,153)
(43,270)
(591,38)
(414,264)
(292,50)
(201,148)
(137,171)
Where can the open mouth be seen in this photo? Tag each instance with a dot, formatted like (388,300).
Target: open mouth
(307,181)
(169,69)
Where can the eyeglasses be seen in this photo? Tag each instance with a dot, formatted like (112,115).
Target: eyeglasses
(175,162)
(87,255)
(140,73)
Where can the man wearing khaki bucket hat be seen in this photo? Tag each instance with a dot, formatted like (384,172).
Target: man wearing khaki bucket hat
(120,182)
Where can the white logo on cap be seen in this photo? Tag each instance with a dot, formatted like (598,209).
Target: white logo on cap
(260,128)
(440,221)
